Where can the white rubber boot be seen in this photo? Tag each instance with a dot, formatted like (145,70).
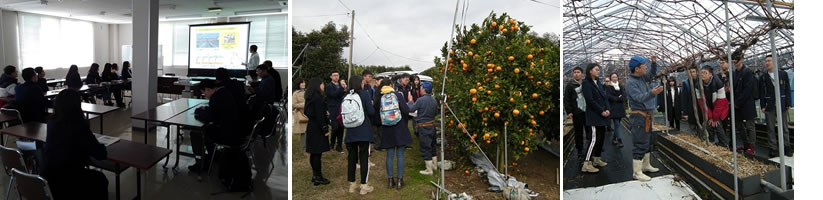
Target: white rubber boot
(435,163)
(428,170)
(599,163)
(587,167)
(365,189)
(353,186)
(637,166)
(647,164)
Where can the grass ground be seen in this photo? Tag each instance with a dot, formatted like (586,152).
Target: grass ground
(538,169)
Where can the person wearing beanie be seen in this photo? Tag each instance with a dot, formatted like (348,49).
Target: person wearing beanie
(426,108)
(641,101)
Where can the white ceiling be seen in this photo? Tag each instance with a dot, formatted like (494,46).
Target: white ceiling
(119,11)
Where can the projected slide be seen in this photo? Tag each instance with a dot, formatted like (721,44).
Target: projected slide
(212,46)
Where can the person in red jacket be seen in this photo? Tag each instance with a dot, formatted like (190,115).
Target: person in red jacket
(714,105)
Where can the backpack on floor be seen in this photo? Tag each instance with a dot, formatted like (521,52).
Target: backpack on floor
(389,110)
(351,110)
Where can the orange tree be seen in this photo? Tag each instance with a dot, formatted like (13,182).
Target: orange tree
(500,74)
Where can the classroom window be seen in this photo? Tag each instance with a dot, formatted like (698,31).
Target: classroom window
(53,42)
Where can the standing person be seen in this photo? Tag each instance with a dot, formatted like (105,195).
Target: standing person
(334,96)
(254,61)
(69,145)
(768,106)
(368,79)
(686,105)
(672,103)
(41,79)
(394,115)
(415,87)
(376,120)
(641,101)
(317,130)
(597,117)
(618,112)
(360,136)
(31,98)
(298,105)
(744,108)
(716,108)
(403,86)
(8,81)
(575,106)
(426,108)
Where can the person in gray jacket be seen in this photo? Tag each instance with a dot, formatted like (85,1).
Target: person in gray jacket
(426,108)
(641,101)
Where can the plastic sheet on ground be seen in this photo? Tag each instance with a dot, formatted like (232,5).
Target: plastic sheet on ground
(516,190)
(662,187)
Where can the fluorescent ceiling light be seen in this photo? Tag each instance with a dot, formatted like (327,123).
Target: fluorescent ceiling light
(184,16)
(259,12)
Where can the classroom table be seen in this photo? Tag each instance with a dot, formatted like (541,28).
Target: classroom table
(185,120)
(122,152)
(53,93)
(163,112)
(93,109)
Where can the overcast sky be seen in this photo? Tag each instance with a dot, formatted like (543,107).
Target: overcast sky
(414,29)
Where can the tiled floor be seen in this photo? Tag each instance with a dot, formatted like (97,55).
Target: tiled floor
(159,183)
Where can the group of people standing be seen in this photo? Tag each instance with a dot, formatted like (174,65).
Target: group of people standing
(366,114)
(593,106)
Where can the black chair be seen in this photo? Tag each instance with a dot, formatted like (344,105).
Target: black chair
(31,186)
(12,159)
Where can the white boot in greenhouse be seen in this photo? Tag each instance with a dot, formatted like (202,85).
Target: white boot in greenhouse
(647,164)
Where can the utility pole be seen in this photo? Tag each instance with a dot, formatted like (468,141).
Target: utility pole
(351,45)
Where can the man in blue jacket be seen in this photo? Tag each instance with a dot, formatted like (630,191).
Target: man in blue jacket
(641,101)
(334,97)
(426,108)
(768,106)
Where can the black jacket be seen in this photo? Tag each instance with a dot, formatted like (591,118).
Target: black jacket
(31,101)
(616,100)
(673,106)
(767,91)
(43,83)
(596,103)
(315,110)
(743,89)
(74,81)
(223,118)
(570,98)
(68,149)
(93,78)
(334,97)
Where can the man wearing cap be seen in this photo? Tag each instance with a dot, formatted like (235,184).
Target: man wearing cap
(426,108)
(641,101)
(744,108)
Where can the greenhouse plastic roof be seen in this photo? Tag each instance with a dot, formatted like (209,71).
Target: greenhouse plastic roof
(674,30)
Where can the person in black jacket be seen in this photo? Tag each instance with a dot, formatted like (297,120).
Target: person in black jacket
(30,99)
(41,79)
(222,118)
(686,106)
(672,102)
(69,145)
(768,106)
(395,137)
(317,130)
(618,112)
(357,139)
(597,117)
(575,107)
(238,92)
(93,77)
(73,80)
(334,96)
(110,74)
(744,103)
(270,89)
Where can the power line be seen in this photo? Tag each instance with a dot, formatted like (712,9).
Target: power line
(540,2)
(367,57)
(307,16)
(344,5)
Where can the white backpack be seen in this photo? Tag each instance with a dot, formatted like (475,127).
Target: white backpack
(352,110)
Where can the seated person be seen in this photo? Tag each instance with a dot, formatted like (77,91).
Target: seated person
(69,145)
(238,90)
(269,89)
(93,77)
(41,79)
(30,99)
(125,75)
(73,78)
(8,81)
(110,74)
(222,118)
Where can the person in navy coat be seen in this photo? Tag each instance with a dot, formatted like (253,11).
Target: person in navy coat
(597,117)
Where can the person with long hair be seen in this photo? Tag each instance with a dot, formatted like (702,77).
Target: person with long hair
(73,78)
(41,79)
(415,87)
(298,105)
(597,117)
(69,145)
(317,131)
(125,75)
(357,139)
(93,77)
(617,112)
(395,138)
(110,74)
